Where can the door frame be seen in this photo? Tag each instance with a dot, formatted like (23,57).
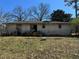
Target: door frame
(33,27)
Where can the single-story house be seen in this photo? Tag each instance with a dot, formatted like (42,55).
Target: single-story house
(45,27)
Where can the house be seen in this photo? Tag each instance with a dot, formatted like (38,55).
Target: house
(45,27)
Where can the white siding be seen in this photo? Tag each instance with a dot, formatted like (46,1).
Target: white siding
(25,28)
(49,28)
(11,28)
(54,29)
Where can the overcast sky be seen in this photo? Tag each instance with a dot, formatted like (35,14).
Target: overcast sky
(54,4)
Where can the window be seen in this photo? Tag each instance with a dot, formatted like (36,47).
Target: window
(60,26)
(43,26)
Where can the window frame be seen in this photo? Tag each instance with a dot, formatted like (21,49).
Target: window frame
(59,26)
(43,26)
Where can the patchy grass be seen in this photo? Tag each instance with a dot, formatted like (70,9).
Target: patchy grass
(36,48)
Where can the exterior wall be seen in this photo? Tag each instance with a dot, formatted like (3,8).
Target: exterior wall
(11,28)
(54,29)
(2,29)
(50,29)
(25,28)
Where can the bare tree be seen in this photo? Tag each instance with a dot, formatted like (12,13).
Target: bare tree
(18,14)
(1,16)
(40,12)
(7,17)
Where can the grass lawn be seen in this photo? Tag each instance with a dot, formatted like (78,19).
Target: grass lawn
(39,48)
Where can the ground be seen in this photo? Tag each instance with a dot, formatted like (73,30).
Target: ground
(39,48)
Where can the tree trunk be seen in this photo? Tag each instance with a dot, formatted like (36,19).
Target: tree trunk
(76,8)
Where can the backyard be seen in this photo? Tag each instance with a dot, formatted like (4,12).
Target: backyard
(39,48)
